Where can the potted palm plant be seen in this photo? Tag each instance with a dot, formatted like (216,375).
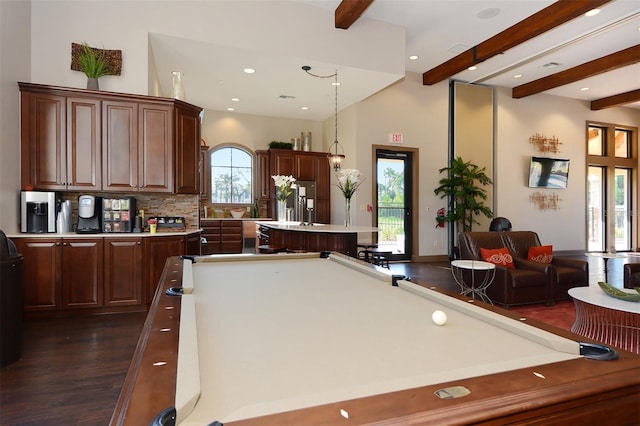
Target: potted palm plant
(463,186)
(94,64)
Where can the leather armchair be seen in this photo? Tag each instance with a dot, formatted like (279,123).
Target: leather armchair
(631,275)
(529,282)
(567,273)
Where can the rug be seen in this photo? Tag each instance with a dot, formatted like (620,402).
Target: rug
(561,315)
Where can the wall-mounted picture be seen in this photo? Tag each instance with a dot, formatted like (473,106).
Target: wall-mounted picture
(548,172)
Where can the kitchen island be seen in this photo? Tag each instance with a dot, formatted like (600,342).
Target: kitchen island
(293,236)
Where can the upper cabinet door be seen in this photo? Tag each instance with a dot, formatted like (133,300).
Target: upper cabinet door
(43,153)
(155,162)
(187,141)
(264,175)
(282,163)
(84,144)
(305,167)
(119,146)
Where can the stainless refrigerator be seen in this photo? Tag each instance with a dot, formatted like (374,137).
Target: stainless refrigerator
(298,201)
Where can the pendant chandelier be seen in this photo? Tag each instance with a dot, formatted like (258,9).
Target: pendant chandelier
(335,156)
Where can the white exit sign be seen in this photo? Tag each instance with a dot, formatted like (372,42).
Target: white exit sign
(395,138)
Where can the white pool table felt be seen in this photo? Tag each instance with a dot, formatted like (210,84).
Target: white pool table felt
(279,335)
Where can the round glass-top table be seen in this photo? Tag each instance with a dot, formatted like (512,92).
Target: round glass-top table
(470,285)
(605,258)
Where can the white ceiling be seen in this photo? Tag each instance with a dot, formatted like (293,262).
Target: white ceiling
(435,29)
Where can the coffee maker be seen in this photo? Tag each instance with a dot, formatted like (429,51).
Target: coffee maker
(89,214)
(38,212)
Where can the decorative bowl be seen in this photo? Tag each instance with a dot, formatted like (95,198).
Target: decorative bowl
(236,213)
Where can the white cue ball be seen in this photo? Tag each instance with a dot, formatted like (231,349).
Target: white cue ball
(439,318)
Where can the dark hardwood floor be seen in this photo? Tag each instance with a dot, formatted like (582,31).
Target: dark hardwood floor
(72,369)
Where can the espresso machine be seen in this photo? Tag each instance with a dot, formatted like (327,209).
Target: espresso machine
(89,214)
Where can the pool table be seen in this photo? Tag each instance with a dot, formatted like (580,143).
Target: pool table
(311,339)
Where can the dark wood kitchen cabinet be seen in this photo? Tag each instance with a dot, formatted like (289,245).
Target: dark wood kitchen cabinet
(231,231)
(205,173)
(96,274)
(302,165)
(156,250)
(41,273)
(187,130)
(61,273)
(193,244)
(83,144)
(75,139)
(137,145)
(82,273)
(222,236)
(264,177)
(60,142)
(123,271)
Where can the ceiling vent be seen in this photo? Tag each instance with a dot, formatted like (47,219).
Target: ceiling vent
(551,65)
(286,97)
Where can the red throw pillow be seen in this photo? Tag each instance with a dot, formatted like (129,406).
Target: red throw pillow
(500,257)
(541,254)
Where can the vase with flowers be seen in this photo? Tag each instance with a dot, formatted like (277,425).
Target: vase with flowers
(349,181)
(283,190)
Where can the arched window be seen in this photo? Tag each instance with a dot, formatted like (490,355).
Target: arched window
(231,175)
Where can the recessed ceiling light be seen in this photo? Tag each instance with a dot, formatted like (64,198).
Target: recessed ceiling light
(592,12)
(472,68)
(413,57)
(489,13)
(335,83)
(235,99)
(304,108)
(517,76)
(584,89)
(231,109)
(249,70)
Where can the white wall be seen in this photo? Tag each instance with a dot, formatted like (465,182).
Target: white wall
(303,31)
(420,113)
(15,66)
(255,131)
(518,119)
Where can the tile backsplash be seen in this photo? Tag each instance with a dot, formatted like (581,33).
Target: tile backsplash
(153,205)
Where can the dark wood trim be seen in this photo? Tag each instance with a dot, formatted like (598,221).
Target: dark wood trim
(348,12)
(622,58)
(615,100)
(546,19)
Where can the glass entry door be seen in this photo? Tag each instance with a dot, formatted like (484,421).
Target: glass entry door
(394,171)
(611,193)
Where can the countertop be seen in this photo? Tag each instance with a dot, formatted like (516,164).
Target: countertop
(160,233)
(316,227)
(235,218)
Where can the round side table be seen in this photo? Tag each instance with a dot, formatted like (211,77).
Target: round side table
(477,286)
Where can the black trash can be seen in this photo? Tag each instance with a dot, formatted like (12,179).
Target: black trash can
(10,302)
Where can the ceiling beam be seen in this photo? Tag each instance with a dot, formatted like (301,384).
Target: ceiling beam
(622,58)
(540,22)
(615,100)
(348,12)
